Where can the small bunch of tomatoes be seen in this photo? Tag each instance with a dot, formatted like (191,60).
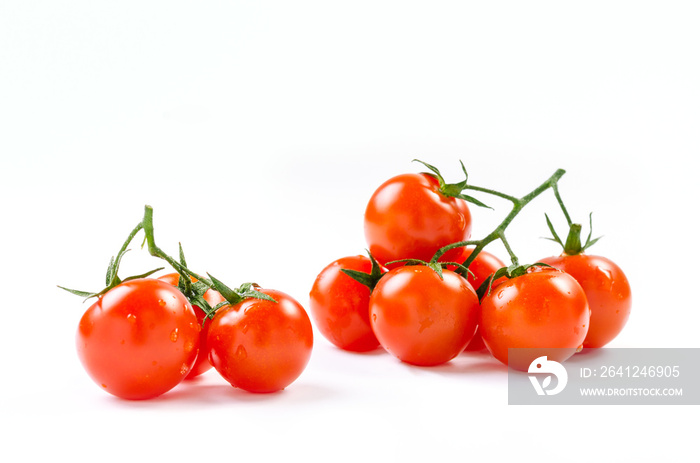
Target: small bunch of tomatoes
(144,335)
(425,293)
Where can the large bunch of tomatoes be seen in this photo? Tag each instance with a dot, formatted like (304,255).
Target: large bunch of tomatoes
(425,292)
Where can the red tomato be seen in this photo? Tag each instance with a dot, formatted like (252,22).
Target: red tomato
(259,345)
(139,340)
(340,305)
(420,318)
(408,217)
(482,267)
(543,309)
(607,290)
(213,298)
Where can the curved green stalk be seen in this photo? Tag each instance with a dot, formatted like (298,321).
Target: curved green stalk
(499,231)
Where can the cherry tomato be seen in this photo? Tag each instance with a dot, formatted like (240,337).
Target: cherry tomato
(139,340)
(259,345)
(607,290)
(423,319)
(408,217)
(482,267)
(340,305)
(542,309)
(213,298)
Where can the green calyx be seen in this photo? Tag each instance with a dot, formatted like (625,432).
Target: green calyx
(435,266)
(368,279)
(453,190)
(512,271)
(573,245)
(111,283)
(371,279)
(240,294)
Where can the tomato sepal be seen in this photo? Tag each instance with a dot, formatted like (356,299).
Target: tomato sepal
(240,294)
(573,245)
(368,279)
(115,282)
(510,272)
(453,190)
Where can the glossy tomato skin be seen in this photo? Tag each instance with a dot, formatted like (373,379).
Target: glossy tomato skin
(607,290)
(139,340)
(213,297)
(407,217)
(482,267)
(543,309)
(261,346)
(340,305)
(421,319)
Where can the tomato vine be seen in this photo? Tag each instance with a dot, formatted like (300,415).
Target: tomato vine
(193,290)
(499,232)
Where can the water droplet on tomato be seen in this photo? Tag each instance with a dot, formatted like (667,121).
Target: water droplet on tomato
(241,353)
(131,318)
(461,221)
(374,317)
(104,386)
(161,302)
(184,369)
(189,345)
(606,278)
(173,335)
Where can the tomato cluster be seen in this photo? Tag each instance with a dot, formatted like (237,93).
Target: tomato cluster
(414,297)
(143,336)
(425,293)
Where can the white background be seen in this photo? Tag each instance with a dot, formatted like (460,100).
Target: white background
(259,129)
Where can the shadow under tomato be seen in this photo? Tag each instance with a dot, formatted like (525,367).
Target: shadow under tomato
(206,392)
(586,355)
(467,363)
(369,353)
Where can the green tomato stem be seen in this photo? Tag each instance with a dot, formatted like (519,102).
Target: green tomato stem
(555,188)
(510,198)
(155,251)
(513,257)
(573,244)
(499,231)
